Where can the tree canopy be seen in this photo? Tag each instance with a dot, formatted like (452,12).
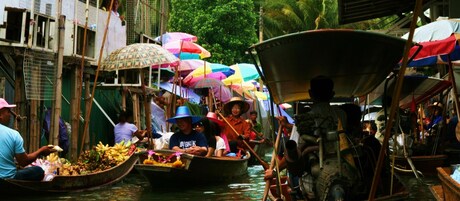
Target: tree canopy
(226,28)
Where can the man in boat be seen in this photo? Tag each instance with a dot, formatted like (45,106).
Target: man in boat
(236,127)
(321,119)
(187,140)
(11,148)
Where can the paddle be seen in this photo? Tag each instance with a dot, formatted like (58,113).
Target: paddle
(262,162)
(272,162)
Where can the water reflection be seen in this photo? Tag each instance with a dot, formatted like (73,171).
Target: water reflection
(135,187)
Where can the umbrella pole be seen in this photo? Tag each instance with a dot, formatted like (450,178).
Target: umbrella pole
(88,111)
(148,120)
(394,102)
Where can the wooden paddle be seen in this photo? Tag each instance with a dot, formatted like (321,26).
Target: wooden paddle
(262,162)
(272,163)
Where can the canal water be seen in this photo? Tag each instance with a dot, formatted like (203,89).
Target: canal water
(251,187)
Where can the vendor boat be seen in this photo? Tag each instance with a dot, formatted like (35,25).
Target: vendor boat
(167,168)
(64,184)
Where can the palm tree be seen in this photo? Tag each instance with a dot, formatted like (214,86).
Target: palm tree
(281,17)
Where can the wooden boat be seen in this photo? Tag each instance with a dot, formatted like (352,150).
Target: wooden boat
(450,188)
(425,164)
(61,184)
(195,169)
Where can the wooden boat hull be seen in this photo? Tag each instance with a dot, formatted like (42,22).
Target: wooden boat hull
(425,164)
(399,192)
(450,188)
(197,169)
(69,183)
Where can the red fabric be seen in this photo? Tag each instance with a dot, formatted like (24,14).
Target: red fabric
(433,48)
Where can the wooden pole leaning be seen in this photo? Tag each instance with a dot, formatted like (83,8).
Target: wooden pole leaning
(395,100)
(88,111)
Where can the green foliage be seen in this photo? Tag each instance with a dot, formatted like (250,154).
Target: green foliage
(289,16)
(226,28)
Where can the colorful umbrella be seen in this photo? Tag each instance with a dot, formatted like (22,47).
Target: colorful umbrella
(433,52)
(177,47)
(138,55)
(172,36)
(191,80)
(243,72)
(436,39)
(208,83)
(212,68)
(191,64)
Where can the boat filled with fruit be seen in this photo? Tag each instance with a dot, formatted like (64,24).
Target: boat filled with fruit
(97,167)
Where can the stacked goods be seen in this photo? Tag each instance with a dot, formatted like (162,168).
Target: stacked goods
(161,160)
(100,158)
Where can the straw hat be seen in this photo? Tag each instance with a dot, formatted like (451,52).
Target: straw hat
(213,117)
(184,112)
(236,100)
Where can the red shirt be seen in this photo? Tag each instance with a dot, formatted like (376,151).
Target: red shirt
(240,125)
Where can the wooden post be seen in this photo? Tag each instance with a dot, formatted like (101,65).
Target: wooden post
(75,105)
(148,120)
(123,94)
(136,112)
(85,141)
(56,112)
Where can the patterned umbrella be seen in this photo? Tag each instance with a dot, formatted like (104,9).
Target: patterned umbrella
(139,55)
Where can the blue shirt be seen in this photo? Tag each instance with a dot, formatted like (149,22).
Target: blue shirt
(11,143)
(185,141)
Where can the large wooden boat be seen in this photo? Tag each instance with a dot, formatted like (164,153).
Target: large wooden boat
(194,169)
(450,190)
(61,184)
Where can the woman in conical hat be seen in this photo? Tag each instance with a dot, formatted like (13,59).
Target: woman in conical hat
(234,109)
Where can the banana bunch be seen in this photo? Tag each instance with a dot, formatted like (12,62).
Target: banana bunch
(52,157)
(101,148)
(119,152)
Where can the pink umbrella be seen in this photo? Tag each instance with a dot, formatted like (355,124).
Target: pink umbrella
(191,64)
(191,80)
(172,36)
(177,47)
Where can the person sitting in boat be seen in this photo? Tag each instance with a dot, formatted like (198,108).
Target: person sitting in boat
(187,140)
(237,128)
(256,127)
(125,130)
(11,148)
(220,124)
(216,145)
(435,111)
